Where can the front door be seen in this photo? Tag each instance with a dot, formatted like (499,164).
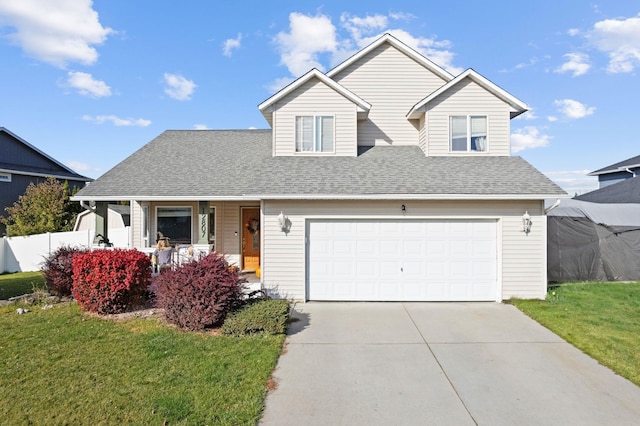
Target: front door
(250,238)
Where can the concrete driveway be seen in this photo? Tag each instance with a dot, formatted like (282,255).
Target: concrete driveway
(439,363)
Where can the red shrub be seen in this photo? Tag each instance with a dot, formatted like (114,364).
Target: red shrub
(110,281)
(58,270)
(199,294)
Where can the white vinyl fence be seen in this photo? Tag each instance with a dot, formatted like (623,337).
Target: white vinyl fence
(22,254)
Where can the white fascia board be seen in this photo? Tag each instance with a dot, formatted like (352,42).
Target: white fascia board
(412,197)
(388,38)
(363,106)
(157,198)
(24,173)
(517,106)
(259,197)
(618,170)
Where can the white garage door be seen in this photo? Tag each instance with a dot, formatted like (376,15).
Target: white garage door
(402,260)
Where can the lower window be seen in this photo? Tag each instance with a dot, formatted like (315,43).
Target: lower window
(175,223)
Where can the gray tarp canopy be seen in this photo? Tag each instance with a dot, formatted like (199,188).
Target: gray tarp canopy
(592,241)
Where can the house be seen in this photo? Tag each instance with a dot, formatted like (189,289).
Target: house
(617,183)
(384,179)
(21,164)
(617,172)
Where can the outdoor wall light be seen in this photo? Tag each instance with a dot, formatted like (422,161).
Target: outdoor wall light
(403,208)
(526,222)
(284,222)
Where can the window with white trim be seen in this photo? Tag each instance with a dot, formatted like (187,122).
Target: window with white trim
(314,133)
(468,133)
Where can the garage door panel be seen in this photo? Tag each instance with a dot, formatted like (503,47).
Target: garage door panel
(419,260)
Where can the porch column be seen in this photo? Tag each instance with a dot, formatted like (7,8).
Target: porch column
(102,222)
(203,223)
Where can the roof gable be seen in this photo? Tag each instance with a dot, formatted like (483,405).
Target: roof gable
(26,158)
(268,105)
(621,166)
(517,106)
(389,39)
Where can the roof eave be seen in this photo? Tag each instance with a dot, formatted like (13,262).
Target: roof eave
(380,197)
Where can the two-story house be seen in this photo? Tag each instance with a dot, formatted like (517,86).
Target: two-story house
(386,178)
(617,183)
(22,164)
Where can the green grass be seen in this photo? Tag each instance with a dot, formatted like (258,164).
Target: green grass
(62,366)
(20,283)
(601,319)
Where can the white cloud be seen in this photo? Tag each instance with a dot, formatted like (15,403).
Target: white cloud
(230,44)
(200,127)
(577,64)
(574,181)
(279,83)
(81,167)
(86,85)
(359,27)
(178,87)
(308,37)
(437,51)
(573,32)
(528,137)
(552,118)
(620,40)
(573,109)
(117,121)
(56,32)
(529,115)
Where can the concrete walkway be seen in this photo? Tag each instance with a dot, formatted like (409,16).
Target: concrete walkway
(440,364)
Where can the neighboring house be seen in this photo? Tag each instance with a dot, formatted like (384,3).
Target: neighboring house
(617,172)
(119,218)
(617,183)
(21,164)
(385,178)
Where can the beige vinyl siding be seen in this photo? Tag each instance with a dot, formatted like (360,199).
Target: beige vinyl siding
(136,224)
(315,98)
(468,98)
(422,135)
(392,83)
(521,258)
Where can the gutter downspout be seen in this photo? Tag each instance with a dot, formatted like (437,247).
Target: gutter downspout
(626,169)
(553,206)
(84,205)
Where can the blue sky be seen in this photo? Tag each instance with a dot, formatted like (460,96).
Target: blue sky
(91,82)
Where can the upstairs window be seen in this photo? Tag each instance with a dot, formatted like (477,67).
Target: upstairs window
(314,133)
(468,133)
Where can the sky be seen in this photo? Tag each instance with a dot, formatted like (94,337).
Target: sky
(89,83)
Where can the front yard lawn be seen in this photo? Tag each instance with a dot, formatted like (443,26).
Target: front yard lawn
(601,319)
(20,283)
(63,366)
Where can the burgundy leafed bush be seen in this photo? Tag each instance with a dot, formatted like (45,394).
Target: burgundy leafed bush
(58,270)
(110,281)
(199,294)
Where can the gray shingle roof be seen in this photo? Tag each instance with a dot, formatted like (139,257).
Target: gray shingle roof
(633,161)
(627,191)
(238,163)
